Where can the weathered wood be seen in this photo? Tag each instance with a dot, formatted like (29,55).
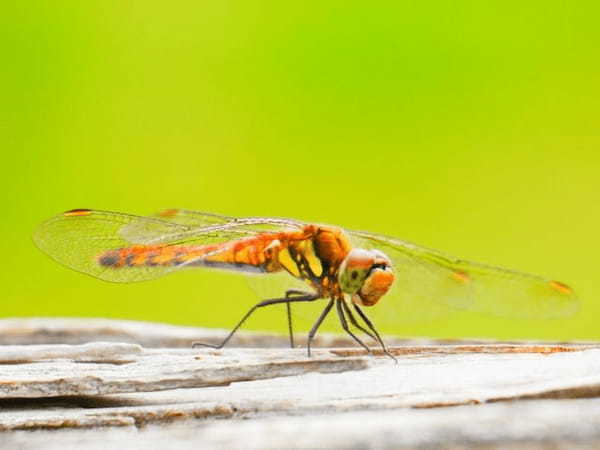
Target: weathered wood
(420,380)
(339,398)
(527,425)
(101,368)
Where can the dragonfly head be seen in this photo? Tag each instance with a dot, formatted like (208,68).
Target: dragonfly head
(366,275)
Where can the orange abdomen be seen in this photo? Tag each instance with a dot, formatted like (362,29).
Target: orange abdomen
(244,254)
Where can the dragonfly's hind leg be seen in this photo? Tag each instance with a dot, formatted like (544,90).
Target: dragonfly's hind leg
(272,301)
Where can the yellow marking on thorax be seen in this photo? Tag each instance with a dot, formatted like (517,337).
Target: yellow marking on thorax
(285,259)
(307,250)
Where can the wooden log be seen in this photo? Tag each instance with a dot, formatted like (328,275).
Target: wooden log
(434,395)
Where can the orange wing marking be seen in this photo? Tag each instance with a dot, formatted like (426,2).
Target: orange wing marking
(168,212)
(560,287)
(461,277)
(77,212)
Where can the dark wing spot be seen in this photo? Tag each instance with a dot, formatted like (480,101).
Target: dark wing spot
(354,274)
(109,259)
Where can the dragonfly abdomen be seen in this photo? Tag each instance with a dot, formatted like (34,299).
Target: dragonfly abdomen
(148,256)
(246,255)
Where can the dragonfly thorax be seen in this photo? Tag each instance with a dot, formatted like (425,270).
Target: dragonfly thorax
(366,275)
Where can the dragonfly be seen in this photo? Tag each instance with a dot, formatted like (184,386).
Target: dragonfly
(350,270)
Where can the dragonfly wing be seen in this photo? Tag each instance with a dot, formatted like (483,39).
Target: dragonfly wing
(180,221)
(76,239)
(422,291)
(188,223)
(79,238)
(426,276)
(192,218)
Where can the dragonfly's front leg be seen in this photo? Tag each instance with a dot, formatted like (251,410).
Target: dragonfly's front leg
(354,322)
(344,322)
(372,328)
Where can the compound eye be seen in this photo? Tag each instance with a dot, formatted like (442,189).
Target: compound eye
(366,273)
(377,284)
(355,269)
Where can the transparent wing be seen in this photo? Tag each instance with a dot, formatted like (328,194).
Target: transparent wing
(197,219)
(76,238)
(429,282)
(169,222)
(189,223)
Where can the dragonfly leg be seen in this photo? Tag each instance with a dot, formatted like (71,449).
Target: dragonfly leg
(272,301)
(290,327)
(315,327)
(288,305)
(372,328)
(345,326)
(355,323)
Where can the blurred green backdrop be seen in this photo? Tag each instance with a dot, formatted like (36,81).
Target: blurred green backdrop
(471,127)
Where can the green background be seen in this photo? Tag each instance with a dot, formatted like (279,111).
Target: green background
(471,127)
